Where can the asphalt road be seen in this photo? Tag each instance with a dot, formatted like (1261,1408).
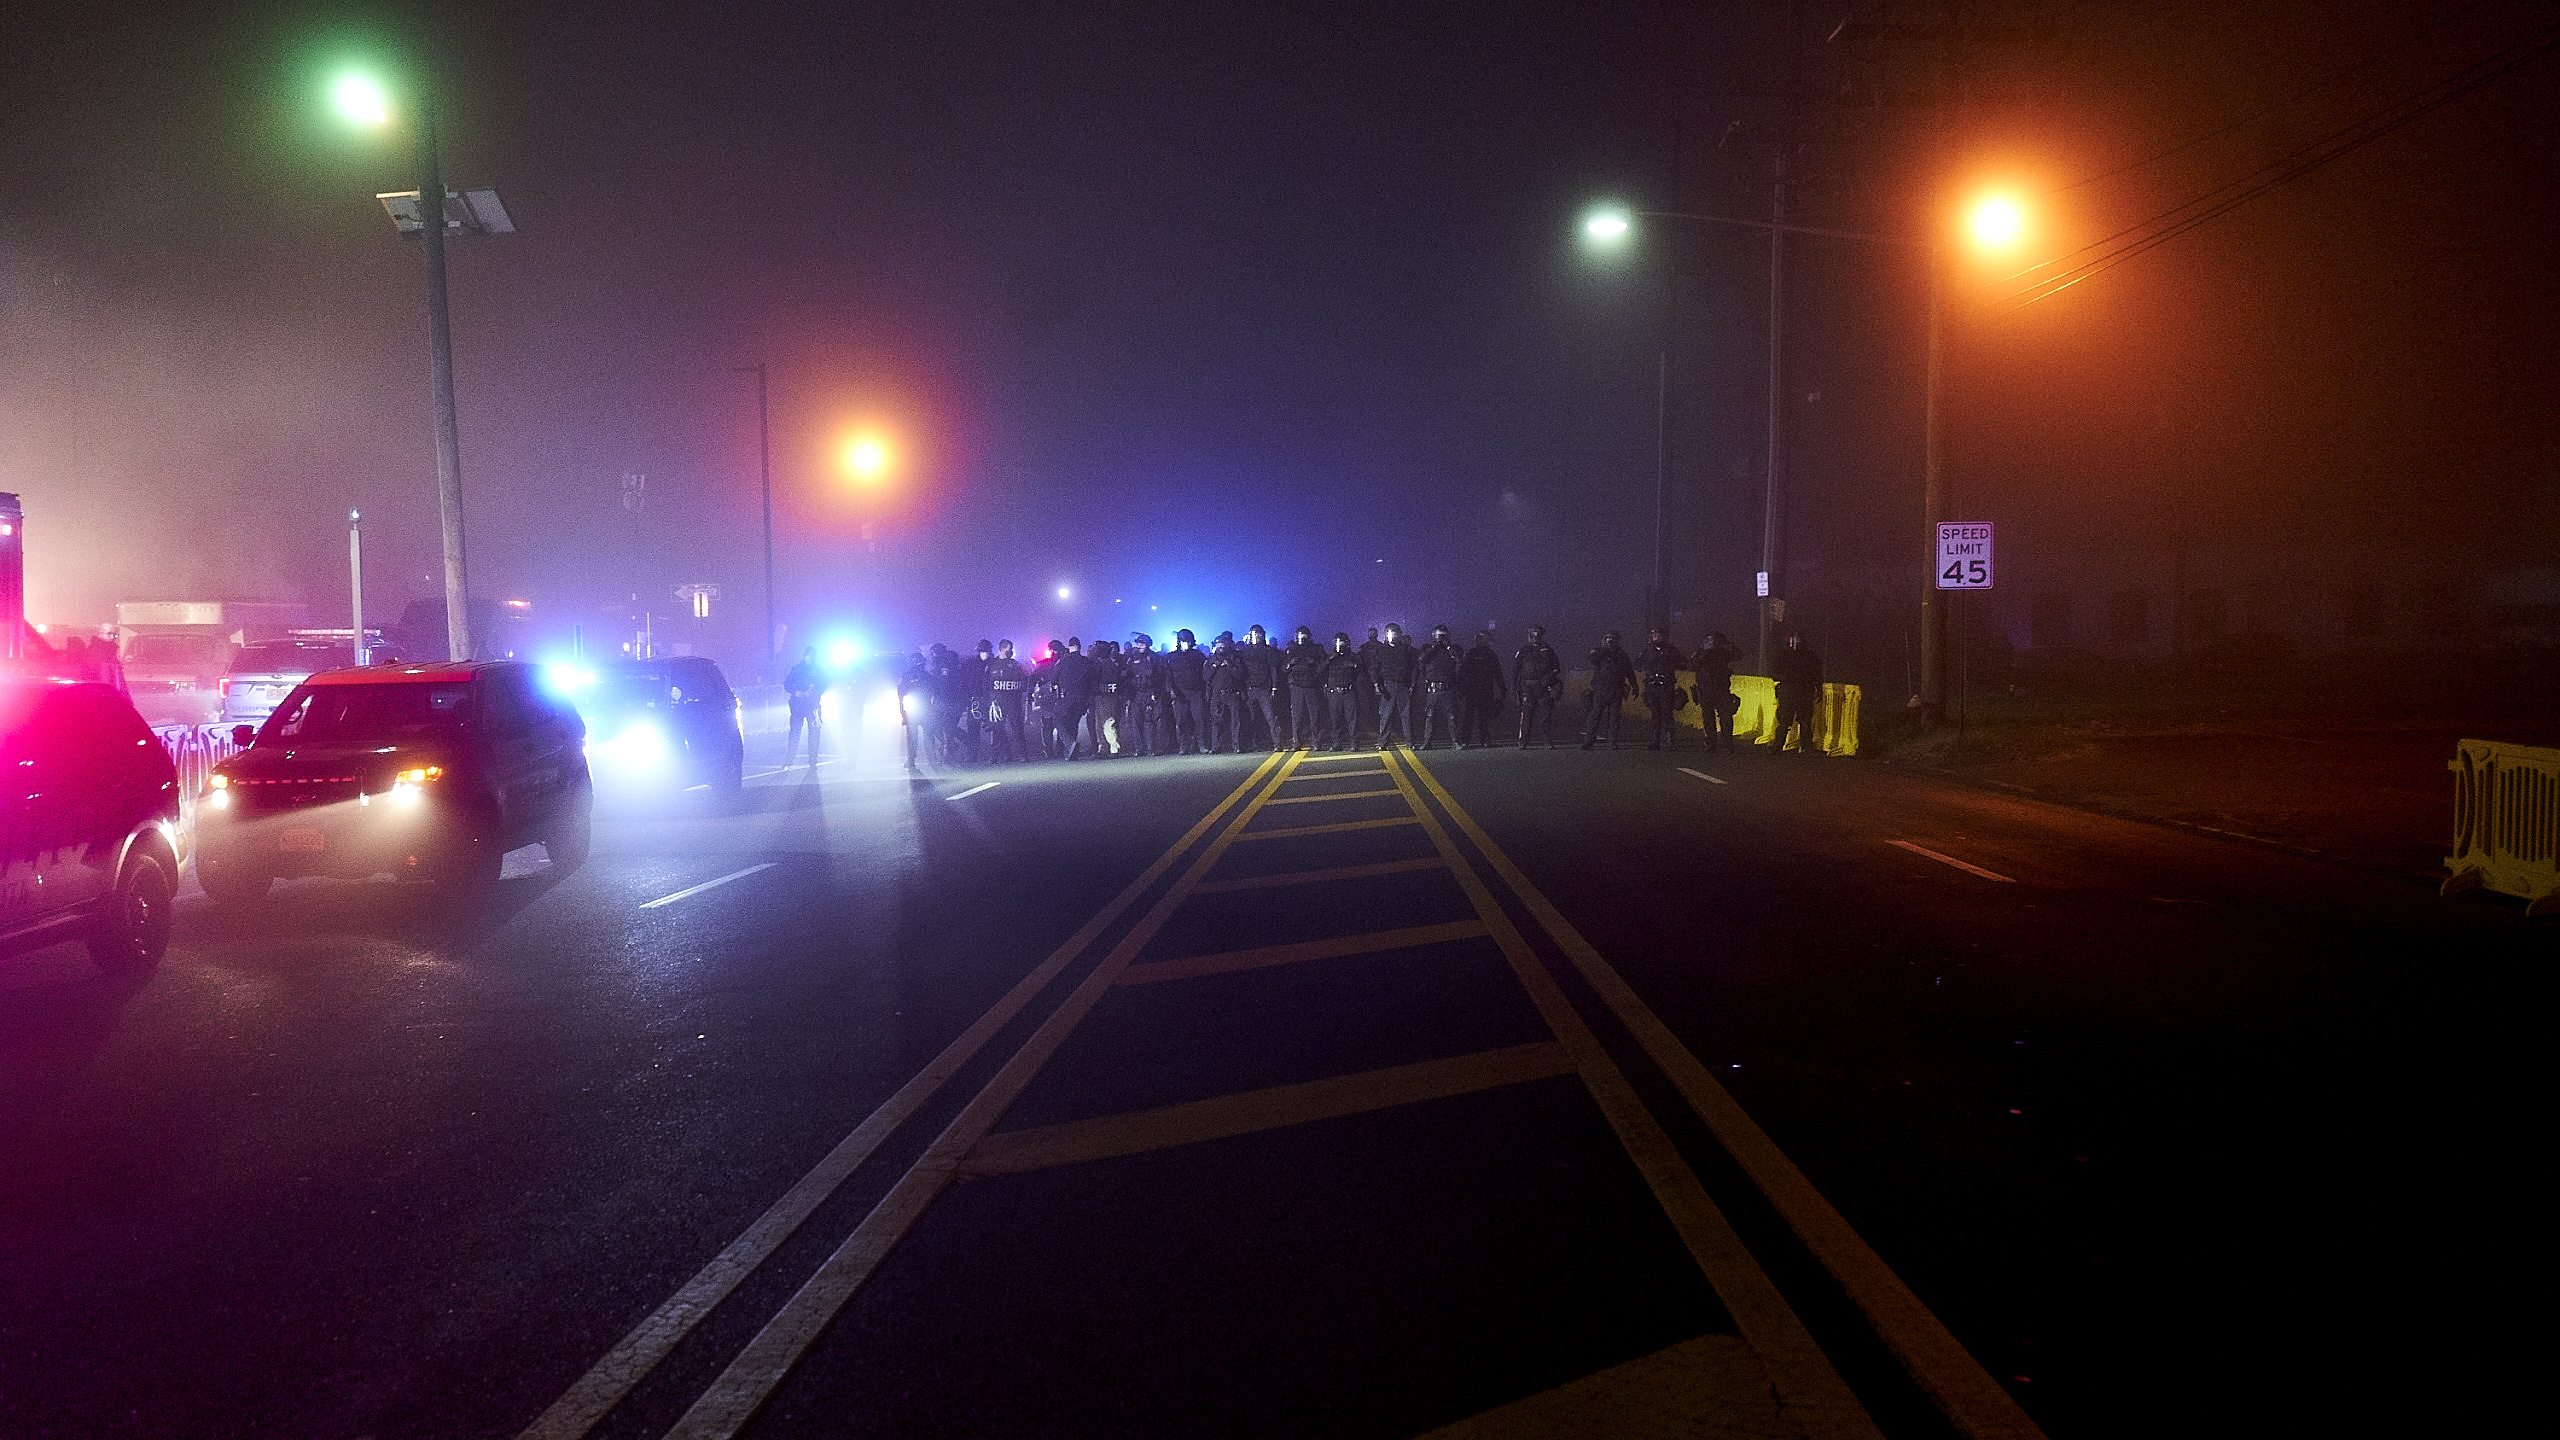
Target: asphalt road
(1524,1094)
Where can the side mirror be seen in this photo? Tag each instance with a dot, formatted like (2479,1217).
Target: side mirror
(242,735)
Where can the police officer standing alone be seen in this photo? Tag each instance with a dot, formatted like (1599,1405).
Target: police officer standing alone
(1716,704)
(1262,684)
(1340,677)
(1799,680)
(1303,662)
(1660,665)
(806,688)
(1187,681)
(1437,666)
(1479,693)
(1537,677)
(1392,669)
(1007,688)
(1224,670)
(1613,675)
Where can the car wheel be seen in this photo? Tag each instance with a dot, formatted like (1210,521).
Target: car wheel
(133,931)
(573,834)
(231,882)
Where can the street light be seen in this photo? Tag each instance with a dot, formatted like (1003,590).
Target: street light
(868,457)
(1605,230)
(364,100)
(1994,223)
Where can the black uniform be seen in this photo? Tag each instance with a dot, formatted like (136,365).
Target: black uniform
(1479,694)
(1391,669)
(1224,670)
(914,684)
(1144,711)
(1102,717)
(1075,697)
(1436,664)
(806,687)
(1799,680)
(1612,676)
(1659,663)
(1714,664)
(1537,677)
(1187,682)
(1262,686)
(1302,661)
(1340,678)
(1008,687)
(1367,690)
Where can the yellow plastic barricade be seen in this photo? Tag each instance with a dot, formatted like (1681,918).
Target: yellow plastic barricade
(2506,822)
(1835,722)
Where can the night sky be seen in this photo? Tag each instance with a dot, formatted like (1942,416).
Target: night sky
(1249,312)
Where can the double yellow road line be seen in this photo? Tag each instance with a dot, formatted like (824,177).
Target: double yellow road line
(1784,1367)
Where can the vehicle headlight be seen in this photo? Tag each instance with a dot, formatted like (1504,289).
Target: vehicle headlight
(410,785)
(827,705)
(641,745)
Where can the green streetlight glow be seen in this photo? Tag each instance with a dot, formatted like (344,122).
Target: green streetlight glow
(1608,225)
(361,99)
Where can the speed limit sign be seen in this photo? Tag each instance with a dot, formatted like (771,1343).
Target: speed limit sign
(1964,555)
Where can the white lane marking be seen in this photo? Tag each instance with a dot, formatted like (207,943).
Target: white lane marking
(974,790)
(1701,774)
(707,884)
(1951,860)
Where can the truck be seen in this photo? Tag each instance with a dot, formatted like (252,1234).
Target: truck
(175,652)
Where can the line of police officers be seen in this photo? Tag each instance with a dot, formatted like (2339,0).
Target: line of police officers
(1113,700)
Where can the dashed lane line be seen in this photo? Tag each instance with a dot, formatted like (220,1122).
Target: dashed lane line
(1701,774)
(1280,1106)
(595,1393)
(974,790)
(1264,956)
(1951,860)
(692,890)
(1956,1382)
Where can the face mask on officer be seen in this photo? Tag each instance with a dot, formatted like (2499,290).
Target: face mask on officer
(1305,634)
(1394,634)
(1342,644)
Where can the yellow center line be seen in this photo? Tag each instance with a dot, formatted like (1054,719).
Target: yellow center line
(743,1387)
(1971,1400)
(1340,795)
(1328,949)
(596,1393)
(1808,1388)
(1313,877)
(1279,1106)
(1333,829)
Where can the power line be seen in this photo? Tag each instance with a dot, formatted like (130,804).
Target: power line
(2222,200)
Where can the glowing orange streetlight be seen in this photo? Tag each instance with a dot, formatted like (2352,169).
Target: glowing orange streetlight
(869,457)
(1997,223)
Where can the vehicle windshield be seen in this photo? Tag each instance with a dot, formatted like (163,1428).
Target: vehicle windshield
(386,712)
(618,691)
(290,659)
(169,650)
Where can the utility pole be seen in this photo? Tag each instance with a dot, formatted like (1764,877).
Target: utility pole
(431,223)
(764,458)
(1772,602)
(355,582)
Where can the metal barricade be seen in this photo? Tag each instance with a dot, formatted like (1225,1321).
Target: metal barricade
(2506,822)
(195,750)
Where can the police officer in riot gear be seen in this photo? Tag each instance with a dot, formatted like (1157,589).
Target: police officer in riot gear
(1437,665)
(1103,716)
(1799,680)
(1224,672)
(1187,683)
(1144,710)
(1613,677)
(1008,686)
(1659,664)
(1075,693)
(1262,684)
(806,688)
(1047,702)
(1537,677)
(1392,670)
(1303,662)
(1716,703)
(1340,678)
(1367,692)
